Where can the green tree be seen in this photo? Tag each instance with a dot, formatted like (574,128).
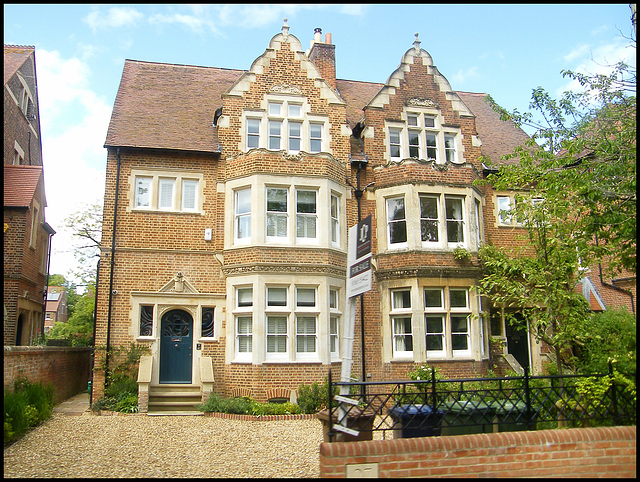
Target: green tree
(79,327)
(576,198)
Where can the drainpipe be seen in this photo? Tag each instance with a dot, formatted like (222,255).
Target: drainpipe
(113,264)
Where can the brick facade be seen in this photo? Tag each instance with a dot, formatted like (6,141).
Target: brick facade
(26,235)
(577,452)
(217,134)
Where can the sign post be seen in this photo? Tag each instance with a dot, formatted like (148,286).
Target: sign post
(359,278)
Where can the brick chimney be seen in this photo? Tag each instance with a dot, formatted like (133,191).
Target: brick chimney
(323,55)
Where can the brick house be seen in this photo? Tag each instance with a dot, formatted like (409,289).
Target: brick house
(27,237)
(57,308)
(231,193)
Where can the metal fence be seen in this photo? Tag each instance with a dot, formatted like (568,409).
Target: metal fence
(419,408)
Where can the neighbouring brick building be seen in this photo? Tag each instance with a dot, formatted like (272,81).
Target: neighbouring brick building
(231,193)
(27,236)
(57,308)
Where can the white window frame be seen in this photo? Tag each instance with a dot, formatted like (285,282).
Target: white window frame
(462,221)
(242,218)
(278,215)
(156,183)
(411,137)
(504,206)
(334,331)
(437,220)
(304,220)
(401,311)
(391,222)
(334,217)
(435,311)
(459,311)
(243,309)
(275,120)
(306,310)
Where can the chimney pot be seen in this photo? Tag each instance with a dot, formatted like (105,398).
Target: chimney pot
(327,38)
(317,37)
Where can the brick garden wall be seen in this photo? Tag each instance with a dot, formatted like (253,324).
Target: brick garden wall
(576,452)
(66,368)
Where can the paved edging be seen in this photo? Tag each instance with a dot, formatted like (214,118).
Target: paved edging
(262,418)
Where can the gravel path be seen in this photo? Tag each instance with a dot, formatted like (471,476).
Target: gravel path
(145,446)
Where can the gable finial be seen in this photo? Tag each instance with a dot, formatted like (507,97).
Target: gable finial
(285,28)
(416,43)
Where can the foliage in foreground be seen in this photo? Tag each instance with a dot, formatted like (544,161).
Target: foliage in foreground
(26,406)
(246,406)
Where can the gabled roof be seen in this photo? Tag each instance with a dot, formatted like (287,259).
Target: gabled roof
(167,106)
(20,183)
(14,57)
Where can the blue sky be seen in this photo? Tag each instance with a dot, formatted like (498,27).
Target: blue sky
(503,50)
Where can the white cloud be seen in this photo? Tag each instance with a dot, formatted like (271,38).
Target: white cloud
(74,123)
(193,22)
(115,17)
(463,76)
(599,60)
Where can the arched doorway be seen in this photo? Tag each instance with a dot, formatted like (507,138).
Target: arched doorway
(176,345)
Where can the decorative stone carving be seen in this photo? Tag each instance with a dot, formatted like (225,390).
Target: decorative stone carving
(419,102)
(285,89)
(292,157)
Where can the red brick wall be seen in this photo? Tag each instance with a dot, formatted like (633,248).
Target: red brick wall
(66,368)
(577,452)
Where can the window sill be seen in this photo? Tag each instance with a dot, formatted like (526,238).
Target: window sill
(205,340)
(146,338)
(291,362)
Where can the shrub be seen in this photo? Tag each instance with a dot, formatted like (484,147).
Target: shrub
(26,406)
(312,398)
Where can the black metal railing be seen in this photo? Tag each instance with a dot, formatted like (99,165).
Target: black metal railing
(412,408)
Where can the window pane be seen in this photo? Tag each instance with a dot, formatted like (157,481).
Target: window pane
(394,142)
(315,143)
(450,148)
(306,334)
(245,297)
(402,334)
(253,133)
(189,191)
(432,146)
(295,110)
(333,299)
(458,298)
(306,201)
(429,219)
(143,191)
(295,129)
(435,333)
(414,144)
(305,297)
(429,121)
(146,320)
(165,195)
(459,323)
(432,298)
(275,108)
(504,207)
(401,299)
(276,296)
(275,129)
(333,334)
(396,220)
(244,334)
(412,119)
(207,322)
(335,220)
(276,334)
(277,200)
(454,220)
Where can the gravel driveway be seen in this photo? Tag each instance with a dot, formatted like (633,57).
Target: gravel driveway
(164,446)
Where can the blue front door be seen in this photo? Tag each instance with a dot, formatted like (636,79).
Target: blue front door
(176,346)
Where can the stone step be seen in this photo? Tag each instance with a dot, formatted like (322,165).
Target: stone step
(174,399)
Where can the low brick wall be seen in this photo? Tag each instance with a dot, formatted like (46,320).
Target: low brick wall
(66,368)
(575,452)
